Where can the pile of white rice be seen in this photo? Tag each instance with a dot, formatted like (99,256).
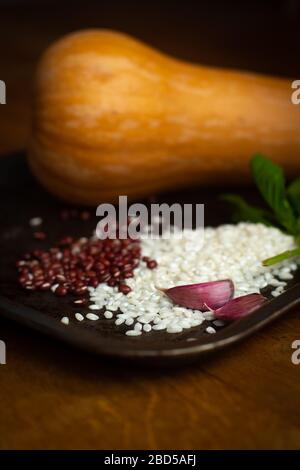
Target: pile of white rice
(229,251)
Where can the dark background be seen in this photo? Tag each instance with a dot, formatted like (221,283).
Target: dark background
(261,36)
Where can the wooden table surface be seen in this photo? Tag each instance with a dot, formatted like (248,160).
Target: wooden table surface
(56,397)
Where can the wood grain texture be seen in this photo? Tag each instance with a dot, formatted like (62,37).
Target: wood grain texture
(53,396)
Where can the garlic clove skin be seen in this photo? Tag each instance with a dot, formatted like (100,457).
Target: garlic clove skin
(240,307)
(203,296)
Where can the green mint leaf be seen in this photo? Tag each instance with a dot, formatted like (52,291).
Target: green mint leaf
(245,212)
(270,181)
(281,257)
(293,193)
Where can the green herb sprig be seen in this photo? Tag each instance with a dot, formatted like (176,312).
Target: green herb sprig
(283,202)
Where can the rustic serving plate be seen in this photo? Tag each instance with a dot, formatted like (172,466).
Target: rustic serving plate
(21,198)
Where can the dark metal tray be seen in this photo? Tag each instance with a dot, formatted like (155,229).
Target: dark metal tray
(21,198)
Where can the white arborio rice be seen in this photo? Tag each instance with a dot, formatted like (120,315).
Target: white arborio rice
(229,251)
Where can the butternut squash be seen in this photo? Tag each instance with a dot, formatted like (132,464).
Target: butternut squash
(113,116)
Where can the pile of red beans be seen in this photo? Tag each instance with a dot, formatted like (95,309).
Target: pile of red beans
(72,266)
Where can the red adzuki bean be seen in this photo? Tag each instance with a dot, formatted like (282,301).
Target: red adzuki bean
(151,264)
(76,264)
(124,289)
